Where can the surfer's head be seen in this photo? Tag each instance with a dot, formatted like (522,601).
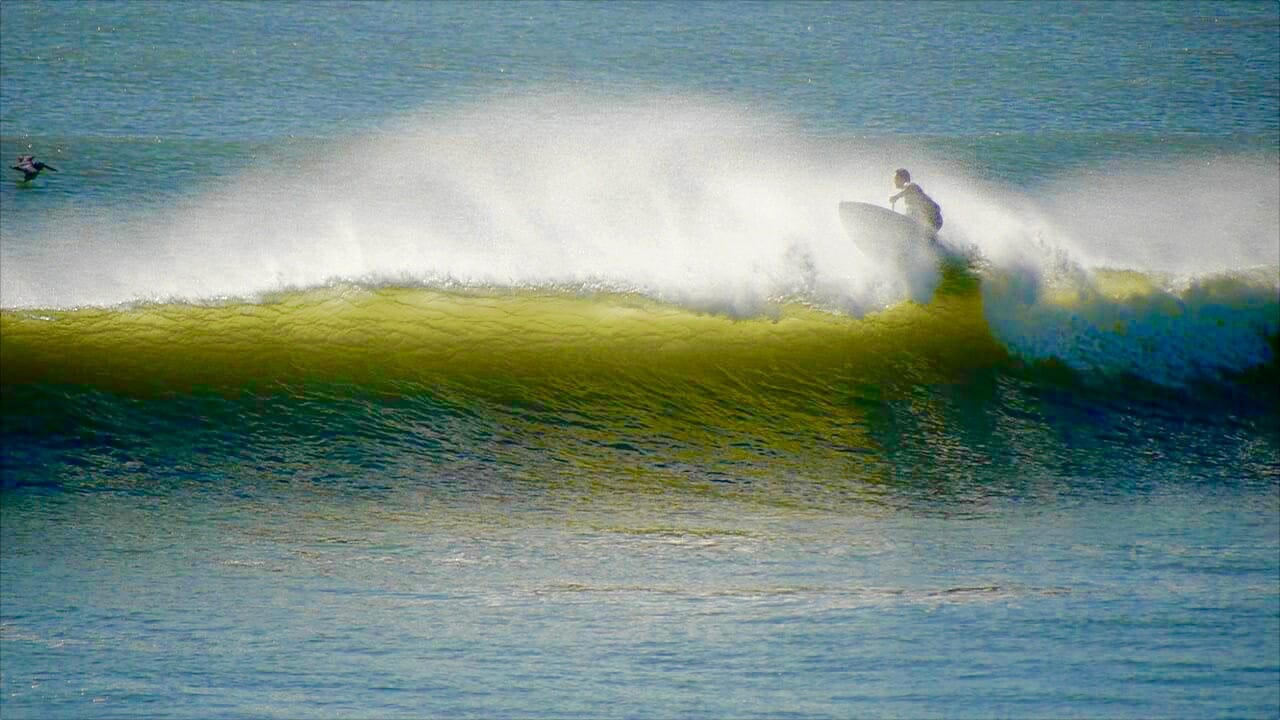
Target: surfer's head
(901,177)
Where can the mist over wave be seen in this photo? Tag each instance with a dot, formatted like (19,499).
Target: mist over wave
(690,202)
(709,206)
(1167,271)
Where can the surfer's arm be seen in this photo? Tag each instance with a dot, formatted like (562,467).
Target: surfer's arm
(911,192)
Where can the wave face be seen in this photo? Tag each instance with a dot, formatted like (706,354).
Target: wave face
(395,336)
(1124,325)
(551,390)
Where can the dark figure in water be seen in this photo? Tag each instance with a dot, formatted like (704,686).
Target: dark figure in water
(31,167)
(920,207)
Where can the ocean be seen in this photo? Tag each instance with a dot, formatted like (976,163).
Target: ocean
(489,359)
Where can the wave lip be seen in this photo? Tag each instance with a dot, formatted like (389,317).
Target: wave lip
(422,335)
(1128,323)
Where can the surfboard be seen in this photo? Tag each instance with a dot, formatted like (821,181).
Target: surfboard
(883,233)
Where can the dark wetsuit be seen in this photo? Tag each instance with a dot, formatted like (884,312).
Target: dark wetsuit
(921,207)
(30,167)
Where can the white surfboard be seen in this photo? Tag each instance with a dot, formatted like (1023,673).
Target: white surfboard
(884,234)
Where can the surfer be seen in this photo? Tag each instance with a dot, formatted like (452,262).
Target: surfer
(31,167)
(920,207)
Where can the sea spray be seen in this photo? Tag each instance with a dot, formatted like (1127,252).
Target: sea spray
(688,201)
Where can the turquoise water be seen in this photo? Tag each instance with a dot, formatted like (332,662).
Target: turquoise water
(511,360)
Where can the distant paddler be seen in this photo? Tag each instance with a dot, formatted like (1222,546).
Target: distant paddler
(31,167)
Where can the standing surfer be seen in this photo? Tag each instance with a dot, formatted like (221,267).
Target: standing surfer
(920,207)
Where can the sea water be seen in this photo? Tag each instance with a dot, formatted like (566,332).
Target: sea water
(510,360)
